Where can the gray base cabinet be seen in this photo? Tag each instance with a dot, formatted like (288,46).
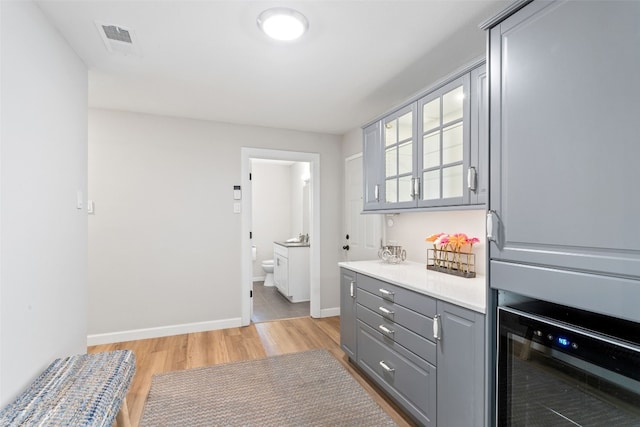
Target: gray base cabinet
(460,366)
(348,312)
(407,378)
(428,355)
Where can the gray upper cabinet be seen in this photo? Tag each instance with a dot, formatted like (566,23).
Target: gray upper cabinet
(565,143)
(399,154)
(477,174)
(372,150)
(444,145)
(427,154)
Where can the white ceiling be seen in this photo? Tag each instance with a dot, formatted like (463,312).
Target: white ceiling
(208,60)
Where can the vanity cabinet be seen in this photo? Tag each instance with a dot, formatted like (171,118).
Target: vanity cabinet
(291,271)
(431,152)
(564,153)
(427,354)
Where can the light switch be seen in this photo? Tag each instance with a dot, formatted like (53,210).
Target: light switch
(90,209)
(237,192)
(237,208)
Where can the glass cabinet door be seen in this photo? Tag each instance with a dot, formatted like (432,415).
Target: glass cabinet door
(443,144)
(398,136)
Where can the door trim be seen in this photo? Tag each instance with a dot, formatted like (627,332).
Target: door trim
(246,277)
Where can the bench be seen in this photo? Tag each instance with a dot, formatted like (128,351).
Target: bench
(82,390)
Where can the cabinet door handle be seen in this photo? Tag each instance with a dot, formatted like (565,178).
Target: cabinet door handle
(416,188)
(386,311)
(351,289)
(386,330)
(376,192)
(492,227)
(436,327)
(386,367)
(472,179)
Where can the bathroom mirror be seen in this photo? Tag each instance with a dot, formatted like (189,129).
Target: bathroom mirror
(306,201)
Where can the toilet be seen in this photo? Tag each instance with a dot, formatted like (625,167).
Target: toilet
(267,266)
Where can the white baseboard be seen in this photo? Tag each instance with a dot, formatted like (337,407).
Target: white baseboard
(162,331)
(258,279)
(330,312)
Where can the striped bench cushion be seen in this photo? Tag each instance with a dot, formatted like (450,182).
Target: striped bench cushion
(82,390)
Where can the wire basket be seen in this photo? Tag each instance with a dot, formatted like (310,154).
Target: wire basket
(462,264)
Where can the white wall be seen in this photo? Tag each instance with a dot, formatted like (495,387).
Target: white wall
(43,143)
(164,245)
(352,142)
(410,229)
(271,209)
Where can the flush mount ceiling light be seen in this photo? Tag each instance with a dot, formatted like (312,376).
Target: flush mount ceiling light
(281,23)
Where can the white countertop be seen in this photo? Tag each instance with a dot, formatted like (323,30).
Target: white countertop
(293,244)
(467,293)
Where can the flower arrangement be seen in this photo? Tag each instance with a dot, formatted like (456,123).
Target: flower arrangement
(453,242)
(451,254)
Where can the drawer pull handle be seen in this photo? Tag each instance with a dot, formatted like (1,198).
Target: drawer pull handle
(386,292)
(386,330)
(386,367)
(386,311)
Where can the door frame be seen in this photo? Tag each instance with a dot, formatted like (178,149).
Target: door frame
(246,276)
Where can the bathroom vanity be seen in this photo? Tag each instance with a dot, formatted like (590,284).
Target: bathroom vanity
(419,335)
(291,270)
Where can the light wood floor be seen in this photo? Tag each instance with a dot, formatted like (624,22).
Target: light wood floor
(230,345)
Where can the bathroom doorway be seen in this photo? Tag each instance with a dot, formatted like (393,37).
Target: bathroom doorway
(309,218)
(280,213)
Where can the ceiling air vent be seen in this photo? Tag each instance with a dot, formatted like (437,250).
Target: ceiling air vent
(116,33)
(118,39)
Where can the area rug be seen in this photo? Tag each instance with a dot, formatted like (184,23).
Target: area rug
(310,388)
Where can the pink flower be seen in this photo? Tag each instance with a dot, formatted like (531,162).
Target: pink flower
(442,240)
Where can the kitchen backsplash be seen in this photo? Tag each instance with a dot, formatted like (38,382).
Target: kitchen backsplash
(410,229)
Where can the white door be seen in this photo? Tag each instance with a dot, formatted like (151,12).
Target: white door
(364,230)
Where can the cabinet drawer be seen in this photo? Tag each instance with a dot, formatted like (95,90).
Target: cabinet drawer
(415,322)
(393,332)
(407,378)
(404,297)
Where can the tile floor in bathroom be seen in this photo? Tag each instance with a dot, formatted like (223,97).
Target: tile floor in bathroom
(269,304)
